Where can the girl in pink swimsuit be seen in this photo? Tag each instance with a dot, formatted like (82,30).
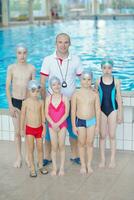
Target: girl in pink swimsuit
(57,110)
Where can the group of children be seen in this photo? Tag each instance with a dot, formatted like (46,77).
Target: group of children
(93,111)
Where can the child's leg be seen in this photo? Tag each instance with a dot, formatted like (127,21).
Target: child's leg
(54,143)
(16,123)
(61,141)
(82,143)
(103,131)
(30,140)
(89,143)
(40,152)
(112,123)
(26,153)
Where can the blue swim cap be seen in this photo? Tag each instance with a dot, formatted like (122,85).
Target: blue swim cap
(108,61)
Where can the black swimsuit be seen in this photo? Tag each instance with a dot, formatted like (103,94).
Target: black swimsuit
(17,103)
(107,97)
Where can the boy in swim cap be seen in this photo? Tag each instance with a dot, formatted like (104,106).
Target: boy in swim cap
(111,109)
(57,110)
(85,112)
(32,114)
(18,76)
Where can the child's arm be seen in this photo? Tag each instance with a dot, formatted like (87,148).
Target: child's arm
(46,110)
(22,117)
(97,84)
(64,117)
(119,101)
(8,91)
(43,118)
(73,112)
(97,110)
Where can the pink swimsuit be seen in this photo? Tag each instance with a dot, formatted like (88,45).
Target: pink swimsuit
(56,113)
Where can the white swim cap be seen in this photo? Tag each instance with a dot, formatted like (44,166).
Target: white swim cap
(33,84)
(54,79)
(21,46)
(86,73)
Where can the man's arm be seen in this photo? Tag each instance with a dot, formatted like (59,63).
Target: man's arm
(44,73)
(43,79)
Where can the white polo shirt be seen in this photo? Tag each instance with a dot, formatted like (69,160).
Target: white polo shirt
(50,68)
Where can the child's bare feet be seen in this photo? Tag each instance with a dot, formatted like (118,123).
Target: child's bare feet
(102,164)
(112,164)
(18,163)
(89,170)
(83,170)
(61,172)
(54,172)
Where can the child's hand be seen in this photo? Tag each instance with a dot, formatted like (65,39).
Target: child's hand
(119,117)
(44,132)
(75,130)
(22,133)
(96,130)
(55,126)
(94,89)
(12,111)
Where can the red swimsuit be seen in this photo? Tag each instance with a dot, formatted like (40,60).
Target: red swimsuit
(56,113)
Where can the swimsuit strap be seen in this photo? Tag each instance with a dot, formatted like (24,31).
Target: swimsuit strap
(101,81)
(113,80)
(51,98)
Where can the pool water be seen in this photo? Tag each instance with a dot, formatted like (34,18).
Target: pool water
(112,38)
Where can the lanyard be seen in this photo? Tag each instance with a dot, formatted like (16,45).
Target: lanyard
(64,79)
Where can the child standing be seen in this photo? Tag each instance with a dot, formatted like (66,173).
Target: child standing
(32,114)
(111,109)
(57,110)
(85,113)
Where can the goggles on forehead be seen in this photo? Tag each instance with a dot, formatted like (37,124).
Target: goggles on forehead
(107,62)
(35,89)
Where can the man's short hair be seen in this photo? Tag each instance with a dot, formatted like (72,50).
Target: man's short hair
(63,34)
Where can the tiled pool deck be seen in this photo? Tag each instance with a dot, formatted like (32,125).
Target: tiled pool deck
(103,184)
